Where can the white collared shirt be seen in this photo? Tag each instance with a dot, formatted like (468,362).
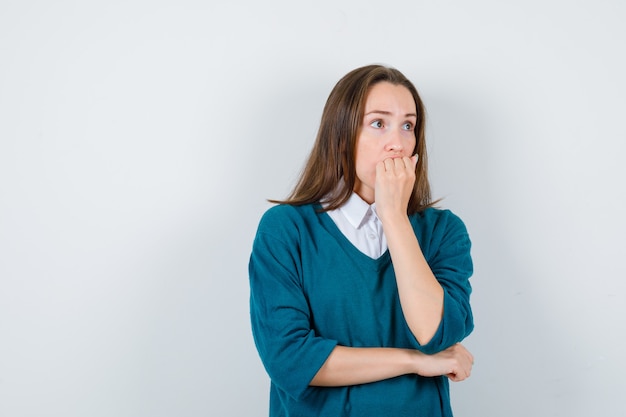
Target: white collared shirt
(359,222)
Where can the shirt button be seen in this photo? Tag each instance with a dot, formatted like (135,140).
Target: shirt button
(372,236)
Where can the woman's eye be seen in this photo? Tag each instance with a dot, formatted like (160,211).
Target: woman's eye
(407,126)
(376,124)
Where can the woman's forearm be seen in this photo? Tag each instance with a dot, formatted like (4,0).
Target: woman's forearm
(352,366)
(421,295)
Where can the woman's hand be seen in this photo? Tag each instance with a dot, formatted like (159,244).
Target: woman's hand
(455,362)
(395,178)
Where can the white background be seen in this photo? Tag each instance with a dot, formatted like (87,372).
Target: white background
(139,139)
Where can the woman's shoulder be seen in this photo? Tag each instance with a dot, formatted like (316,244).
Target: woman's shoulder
(434,217)
(436,213)
(287,223)
(280,215)
(289,211)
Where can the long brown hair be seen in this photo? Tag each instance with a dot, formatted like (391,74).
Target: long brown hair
(333,154)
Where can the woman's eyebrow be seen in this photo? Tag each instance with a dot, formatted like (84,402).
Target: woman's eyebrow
(388,113)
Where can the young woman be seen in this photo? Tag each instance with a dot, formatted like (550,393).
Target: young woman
(359,286)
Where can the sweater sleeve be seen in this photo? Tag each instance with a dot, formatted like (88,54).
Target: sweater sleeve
(448,255)
(280,315)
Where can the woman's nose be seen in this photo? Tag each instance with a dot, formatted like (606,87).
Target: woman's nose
(394,143)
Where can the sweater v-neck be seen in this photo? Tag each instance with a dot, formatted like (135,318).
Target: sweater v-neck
(330,226)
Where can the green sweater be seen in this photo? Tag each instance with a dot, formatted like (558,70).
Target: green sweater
(311,289)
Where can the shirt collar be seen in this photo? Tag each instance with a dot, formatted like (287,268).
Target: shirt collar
(357,210)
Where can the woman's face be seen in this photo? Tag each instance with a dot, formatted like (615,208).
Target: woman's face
(387,131)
